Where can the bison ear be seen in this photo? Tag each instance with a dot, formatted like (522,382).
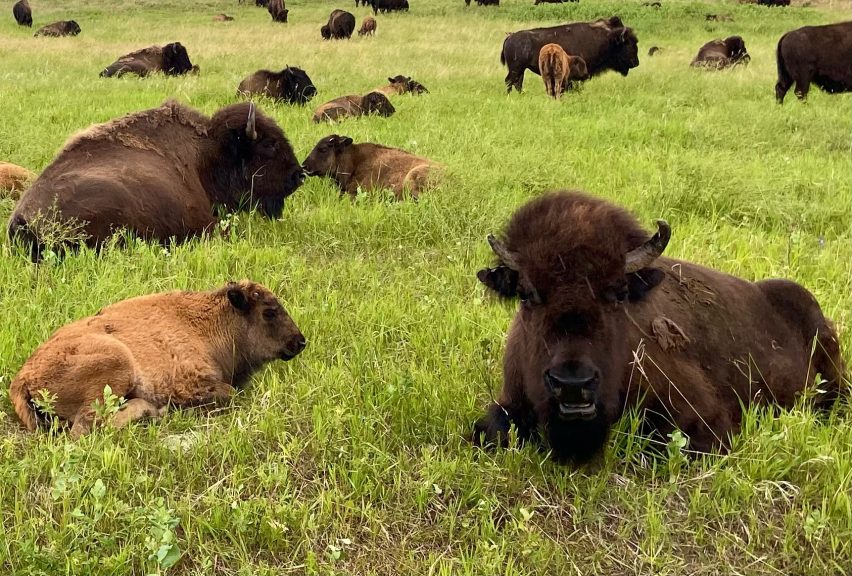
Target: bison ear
(391,80)
(502,280)
(643,281)
(238,298)
(342,142)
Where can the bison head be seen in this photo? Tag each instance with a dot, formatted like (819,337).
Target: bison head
(72,28)
(175,59)
(325,31)
(377,103)
(576,263)
(736,49)
(325,157)
(296,86)
(248,161)
(625,49)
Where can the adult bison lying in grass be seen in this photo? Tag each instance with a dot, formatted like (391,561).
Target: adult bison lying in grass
(290,85)
(353,105)
(171,59)
(819,54)
(370,167)
(179,348)
(61,28)
(160,173)
(606,324)
(718,54)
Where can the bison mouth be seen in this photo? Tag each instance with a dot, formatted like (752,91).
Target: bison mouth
(578,410)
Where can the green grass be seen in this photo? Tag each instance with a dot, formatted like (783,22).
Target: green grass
(351,459)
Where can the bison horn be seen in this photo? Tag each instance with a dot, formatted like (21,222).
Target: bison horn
(251,130)
(502,253)
(645,254)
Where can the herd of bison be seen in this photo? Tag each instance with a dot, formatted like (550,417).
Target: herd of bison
(605,321)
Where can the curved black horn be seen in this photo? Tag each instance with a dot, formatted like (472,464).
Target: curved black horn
(502,253)
(251,130)
(645,254)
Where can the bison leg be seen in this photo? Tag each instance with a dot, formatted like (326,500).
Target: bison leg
(492,430)
(802,88)
(137,409)
(515,80)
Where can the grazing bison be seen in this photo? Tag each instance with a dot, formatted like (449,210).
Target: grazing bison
(370,167)
(719,54)
(180,348)
(161,174)
(558,69)
(372,103)
(222,18)
(14,179)
(61,28)
(389,6)
(818,54)
(607,324)
(718,18)
(537,2)
(368,27)
(602,44)
(261,3)
(277,10)
(486,2)
(291,85)
(171,59)
(654,50)
(341,24)
(402,85)
(773,2)
(22,13)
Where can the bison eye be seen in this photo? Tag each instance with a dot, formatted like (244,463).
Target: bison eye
(270,314)
(615,294)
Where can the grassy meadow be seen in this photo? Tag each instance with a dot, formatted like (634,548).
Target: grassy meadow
(352,458)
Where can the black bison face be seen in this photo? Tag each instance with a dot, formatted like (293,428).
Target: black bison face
(626,50)
(296,86)
(176,59)
(736,49)
(254,165)
(325,32)
(325,157)
(377,103)
(72,28)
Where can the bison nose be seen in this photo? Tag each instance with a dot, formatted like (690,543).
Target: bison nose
(300,343)
(570,377)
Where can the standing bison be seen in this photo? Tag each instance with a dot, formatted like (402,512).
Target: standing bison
(558,69)
(602,44)
(389,6)
(607,324)
(179,348)
(277,10)
(719,54)
(22,13)
(818,54)
(291,85)
(57,29)
(161,174)
(368,27)
(340,25)
(171,59)
(353,105)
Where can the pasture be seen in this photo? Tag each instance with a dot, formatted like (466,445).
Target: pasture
(353,458)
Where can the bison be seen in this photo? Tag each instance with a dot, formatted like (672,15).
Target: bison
(718,54)
(22,13)
(291,85)
(773,2)
(160,173)
(339,108)
(369,167)
(341,24)
(14,179)
(277,10)
(654,50)
(558,69)
(368,27)
(818,54)
(607,324)
(61,28)
(537,2)
(222,18)
(171,59)
(602,44)
(261,3)
(389,6)
(180,348)
(402,85)
(485,2)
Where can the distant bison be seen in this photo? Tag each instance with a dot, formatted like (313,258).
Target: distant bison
(22,13)
(719,54)
(340,25)
(402,85)
(291,85)
(222,18)
(370,167)
(57,29)
(654,50)
(773,2)
(277,10)
(178,348)
(171,59)
(484,2)
(718,18)
(368,27)
(345,106)
(818,54)
(537,2)
(13,179)
(161,174)
(261,3)
(607,324)
(602,44)
(558,69)
(389,6)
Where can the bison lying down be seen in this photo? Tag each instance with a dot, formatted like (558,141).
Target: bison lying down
(57,29)
(171,59)
(345,106)
(291,85)
(819,54)
(179,348)
(370,167)
(402,85)
(13,178)
(606,323)
(719,54)
(160,173)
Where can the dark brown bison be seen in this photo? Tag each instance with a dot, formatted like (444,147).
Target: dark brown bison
(486,2)
(719,54)
(291,85)
(178,348)
(22,13)
(818,54)
(389,6)
(340,25)
(370,167)
(277,10)
(602,44)
(654,50)
(160,173)
(773,2)
(261,3)
(607,324)
(222,18)
(558,69)
(346,106)
(400,84)
(537,2)
(368,27)
(57,29)
(171,59)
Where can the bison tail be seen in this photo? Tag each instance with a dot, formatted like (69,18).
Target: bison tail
(20,398)
(503,55)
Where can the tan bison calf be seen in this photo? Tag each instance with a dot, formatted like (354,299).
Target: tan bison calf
(400,84)
(180,348)
(368,27)
(558,69)
(369,167)
(13,178)
(345,106)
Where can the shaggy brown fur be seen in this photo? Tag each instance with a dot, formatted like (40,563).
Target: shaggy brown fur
(13,179)
(57,29)
(558,69)
(402,85)
(277,10)
(370,167)
(607,325)
(818,54)
(291,85)
(340,25)
(22,13)
(171,59)
(222,18)
(719,54)
(179,348)
(368,27)
(346,106)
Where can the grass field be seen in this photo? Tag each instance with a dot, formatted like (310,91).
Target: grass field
(352,458)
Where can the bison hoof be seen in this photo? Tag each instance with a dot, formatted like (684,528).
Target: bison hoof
(492,430)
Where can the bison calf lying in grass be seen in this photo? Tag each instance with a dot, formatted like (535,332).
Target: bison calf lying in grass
(291,85)
(719,54)
(369,167)
(346,106)
(607,324)
(13,178)
(171,59)
(57,29)
(401,85)
(179,348)
(558,69)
